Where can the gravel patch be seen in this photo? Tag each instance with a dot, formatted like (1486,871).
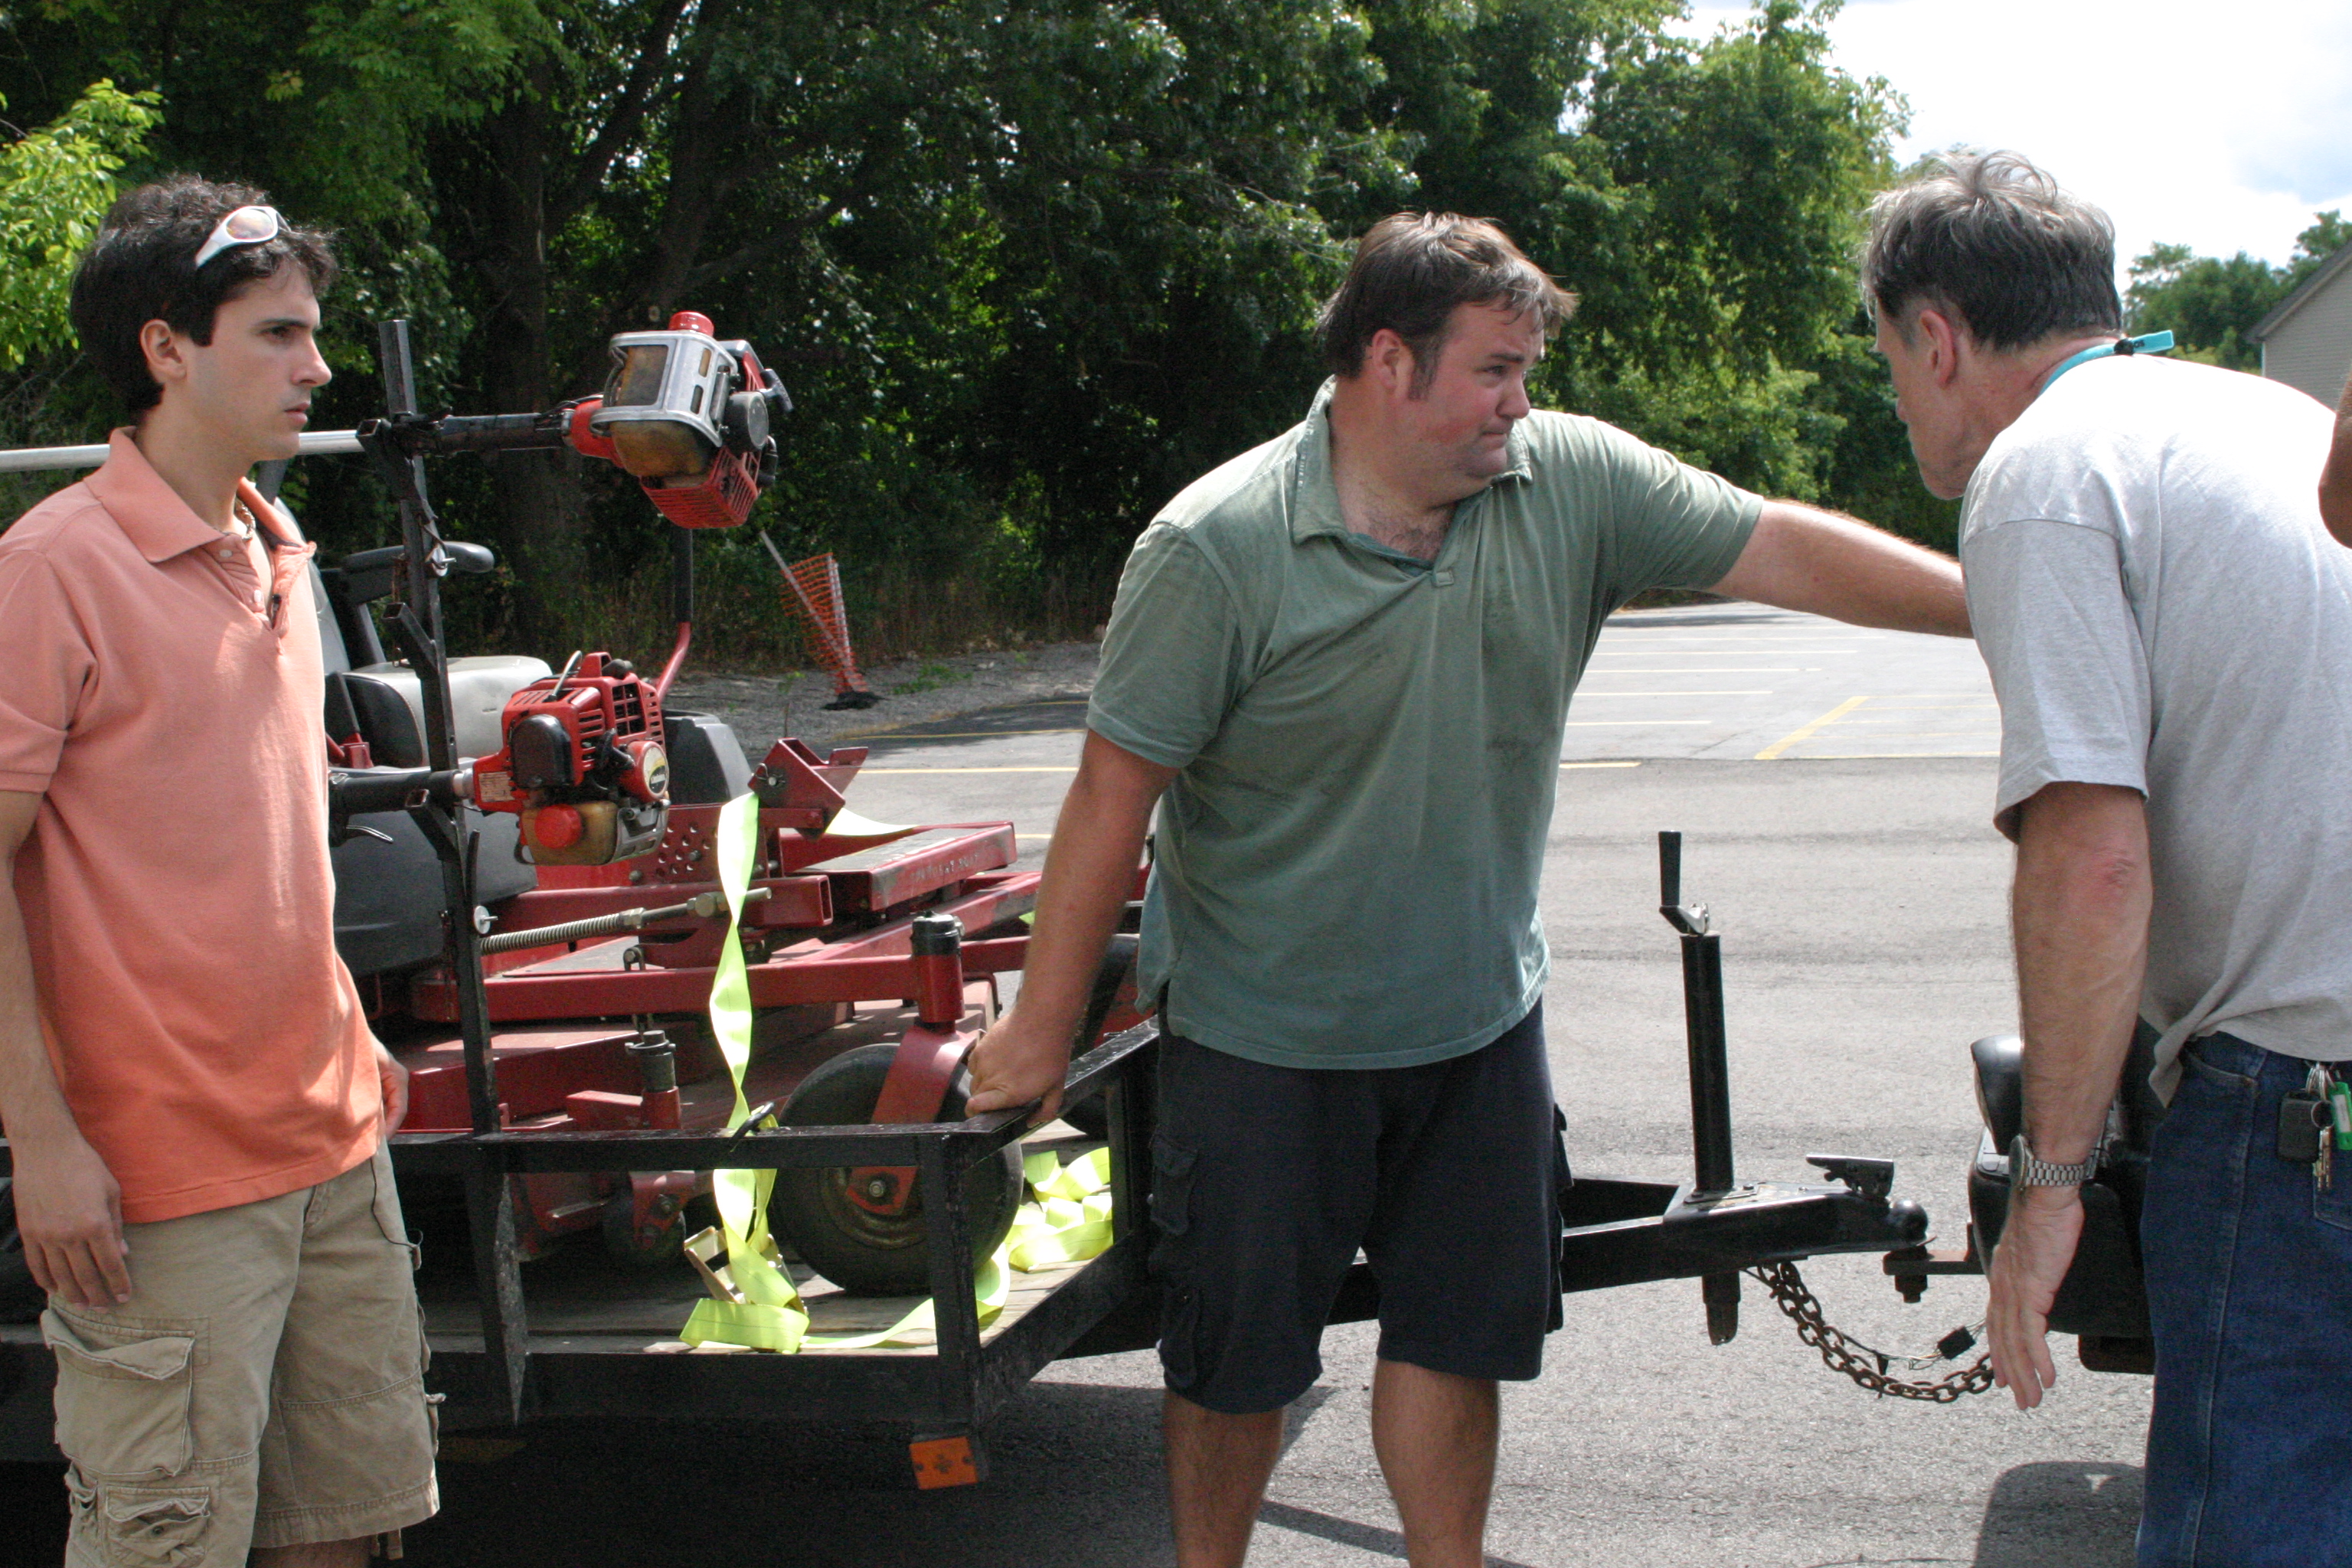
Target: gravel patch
(760,708)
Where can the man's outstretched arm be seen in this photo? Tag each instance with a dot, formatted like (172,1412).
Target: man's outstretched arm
(69,1209)
(2335,480)
(1801,558)
(1089,870)
(2081,911)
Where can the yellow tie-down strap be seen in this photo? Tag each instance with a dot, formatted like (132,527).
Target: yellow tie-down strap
(755,1304)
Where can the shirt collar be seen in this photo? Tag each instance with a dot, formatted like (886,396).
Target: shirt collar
(1314,494)
(153,517)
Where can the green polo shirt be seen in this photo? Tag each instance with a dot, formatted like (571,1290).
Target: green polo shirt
(1367,745)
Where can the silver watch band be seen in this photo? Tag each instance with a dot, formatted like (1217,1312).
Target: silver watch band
(2026,1171)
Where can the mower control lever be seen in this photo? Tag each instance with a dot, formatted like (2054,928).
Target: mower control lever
(367,575)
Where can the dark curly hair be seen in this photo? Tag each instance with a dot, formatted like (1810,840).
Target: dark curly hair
(143,268)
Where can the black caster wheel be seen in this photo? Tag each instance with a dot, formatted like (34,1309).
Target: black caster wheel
(863,1252)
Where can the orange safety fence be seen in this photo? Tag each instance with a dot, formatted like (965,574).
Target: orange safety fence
(812,590)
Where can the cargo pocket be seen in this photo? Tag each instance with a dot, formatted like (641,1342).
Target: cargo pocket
(385,1202)
(1171,1216)
(123,1396)
(148,1527)
(1172,1184)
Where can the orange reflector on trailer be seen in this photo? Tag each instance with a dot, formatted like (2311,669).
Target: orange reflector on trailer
(944,1462)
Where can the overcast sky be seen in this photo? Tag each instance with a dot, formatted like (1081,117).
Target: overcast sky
(2222,126)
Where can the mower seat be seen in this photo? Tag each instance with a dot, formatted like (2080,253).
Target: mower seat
(706,764)
(388,701)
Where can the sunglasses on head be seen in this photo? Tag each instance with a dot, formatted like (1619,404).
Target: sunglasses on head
(245,226)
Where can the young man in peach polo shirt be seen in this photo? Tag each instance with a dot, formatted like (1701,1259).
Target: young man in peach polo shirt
(193,1099)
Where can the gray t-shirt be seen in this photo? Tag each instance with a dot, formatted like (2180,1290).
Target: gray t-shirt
(1368,744)
(2162,610)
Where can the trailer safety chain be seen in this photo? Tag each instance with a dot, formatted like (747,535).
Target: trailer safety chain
(1858,1360)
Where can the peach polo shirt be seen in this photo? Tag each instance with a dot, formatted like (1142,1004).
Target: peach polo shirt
(176,886)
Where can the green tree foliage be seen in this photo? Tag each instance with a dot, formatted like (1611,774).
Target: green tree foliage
(1027,270)
(56,183)
(2209,302)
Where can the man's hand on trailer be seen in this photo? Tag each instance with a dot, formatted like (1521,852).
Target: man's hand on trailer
(2080,909)
(69,1208)
(1089,870)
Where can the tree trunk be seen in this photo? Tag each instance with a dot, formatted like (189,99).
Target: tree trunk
(536,525)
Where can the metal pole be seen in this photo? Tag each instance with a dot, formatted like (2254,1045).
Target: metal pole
(489,1195)
(955,1301)
(41,460)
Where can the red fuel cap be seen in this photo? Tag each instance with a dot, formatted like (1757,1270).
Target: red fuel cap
(557,828)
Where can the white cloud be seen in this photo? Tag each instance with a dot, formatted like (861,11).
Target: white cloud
(2223,128)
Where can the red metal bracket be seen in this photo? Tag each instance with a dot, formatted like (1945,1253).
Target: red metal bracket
(912,1091)
(799,789)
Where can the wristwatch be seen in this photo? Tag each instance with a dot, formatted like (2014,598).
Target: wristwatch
(2026,1171)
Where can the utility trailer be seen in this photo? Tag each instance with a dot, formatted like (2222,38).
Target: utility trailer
(565,1338)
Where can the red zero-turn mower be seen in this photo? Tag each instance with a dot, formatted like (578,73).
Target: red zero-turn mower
(588,808)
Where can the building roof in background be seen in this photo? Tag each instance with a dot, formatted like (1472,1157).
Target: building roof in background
(2303,292)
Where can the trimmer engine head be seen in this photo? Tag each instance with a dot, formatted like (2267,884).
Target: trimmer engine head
(582,765)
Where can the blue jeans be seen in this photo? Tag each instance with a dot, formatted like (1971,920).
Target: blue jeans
(2250,1292)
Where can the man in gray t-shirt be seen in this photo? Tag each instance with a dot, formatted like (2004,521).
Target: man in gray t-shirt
(2168,628)
(1340,666)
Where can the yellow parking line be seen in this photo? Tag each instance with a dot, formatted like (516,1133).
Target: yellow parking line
(953,734)
(1773,751)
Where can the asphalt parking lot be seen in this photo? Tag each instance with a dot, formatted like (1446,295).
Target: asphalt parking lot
(1860,893)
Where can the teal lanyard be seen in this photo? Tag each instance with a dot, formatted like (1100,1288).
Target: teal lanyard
(2147,344)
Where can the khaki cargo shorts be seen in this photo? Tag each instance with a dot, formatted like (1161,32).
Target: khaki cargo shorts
(262,1387)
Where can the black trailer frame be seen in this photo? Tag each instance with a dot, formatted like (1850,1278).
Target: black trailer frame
(1615,1232)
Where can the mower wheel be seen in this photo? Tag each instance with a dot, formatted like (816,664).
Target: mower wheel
(20,1298)
(863,1252)
(1117,972)
(631,1247)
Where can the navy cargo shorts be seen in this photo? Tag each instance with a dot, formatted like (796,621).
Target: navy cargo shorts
(1267,1180)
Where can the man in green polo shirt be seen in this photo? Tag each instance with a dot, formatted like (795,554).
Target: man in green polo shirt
(1340,666)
